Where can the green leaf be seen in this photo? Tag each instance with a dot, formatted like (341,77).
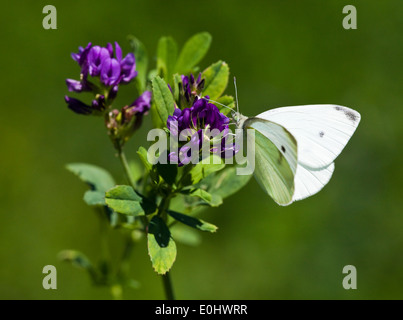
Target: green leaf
(140,54)
(212,200)
(202,194)
(227,101)
(155,117)
(152,74)
(98,178)
(123,199)
(161,247)
(163,99)
(216,79)
(94,198)
(193,51)
(201,170)
(142,153)
(193,222)
(161,232)
(167,53)
(184,203)
(227,182)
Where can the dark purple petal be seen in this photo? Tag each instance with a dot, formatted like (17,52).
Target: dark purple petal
(81,56)
(99,103)
(128,66)
(190,122)
(142,103)
(113,92)
(118,52)
(185,81)
(177,112)
(96,57)
(78,106)
(109,47)
(185,119)
(110,72)
(140,106)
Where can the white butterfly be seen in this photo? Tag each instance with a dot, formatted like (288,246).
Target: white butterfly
(295,147)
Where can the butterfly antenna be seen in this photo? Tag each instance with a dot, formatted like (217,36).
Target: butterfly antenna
(219,103)
(236,96)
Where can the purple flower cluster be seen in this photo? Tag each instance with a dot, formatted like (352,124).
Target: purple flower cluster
(191,88)
(111,69)
(139,107)
(122,124)
(192,123)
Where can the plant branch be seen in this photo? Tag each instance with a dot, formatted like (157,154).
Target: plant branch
(169,293)
(126,168)
(125,165)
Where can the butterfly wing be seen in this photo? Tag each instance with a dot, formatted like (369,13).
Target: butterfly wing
(318,132)
(322,131)
(308,181)
(275,152)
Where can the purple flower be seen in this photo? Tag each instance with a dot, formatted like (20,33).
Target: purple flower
(127,65)
(81,56)
(111,69)
(201,115)
(137,109)
(113,92)
(77,86)
(78,106)
(110,72)
(100,61)
(96,56)
(191,88)
(190,122)
(142,103)
(99,103)
(122,124)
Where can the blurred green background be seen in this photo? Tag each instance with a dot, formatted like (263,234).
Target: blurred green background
(282,53)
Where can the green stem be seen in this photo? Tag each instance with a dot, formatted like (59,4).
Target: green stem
(105,256)
(166,279)
(125,165)
(124,264)
(161,211)
(169,293)
(126,168)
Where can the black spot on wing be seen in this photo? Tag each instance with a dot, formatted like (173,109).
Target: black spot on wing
(283,149)
(348,113)
(321,134)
